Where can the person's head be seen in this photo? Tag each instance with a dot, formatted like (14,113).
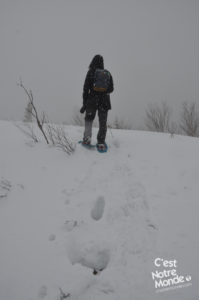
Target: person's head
(97,62)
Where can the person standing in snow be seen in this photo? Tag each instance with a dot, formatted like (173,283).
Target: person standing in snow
(96,100)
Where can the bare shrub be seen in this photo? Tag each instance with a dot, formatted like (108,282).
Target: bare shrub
(190,119)
(158,117)
(53,134)
(58,138)
(33,111)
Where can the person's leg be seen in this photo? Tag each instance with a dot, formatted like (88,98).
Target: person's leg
(88,131)
(88,126)
(101,136)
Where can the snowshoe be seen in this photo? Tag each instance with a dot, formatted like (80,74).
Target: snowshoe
(102,148)
(87,145)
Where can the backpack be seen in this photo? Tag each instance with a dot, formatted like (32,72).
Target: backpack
(101,80)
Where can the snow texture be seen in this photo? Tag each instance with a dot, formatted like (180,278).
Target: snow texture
(62,217)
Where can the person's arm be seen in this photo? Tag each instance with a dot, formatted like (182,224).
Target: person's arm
(111,86)
(86,88)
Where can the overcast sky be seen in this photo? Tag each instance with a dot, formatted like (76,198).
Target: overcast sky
(151,48)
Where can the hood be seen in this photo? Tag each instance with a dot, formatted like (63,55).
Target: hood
(97,62)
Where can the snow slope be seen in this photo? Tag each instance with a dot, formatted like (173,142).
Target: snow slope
(63,216)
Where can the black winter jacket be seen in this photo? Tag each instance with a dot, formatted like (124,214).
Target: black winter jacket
(93,100)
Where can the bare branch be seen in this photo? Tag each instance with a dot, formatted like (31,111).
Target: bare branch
(158,117)
(40,123)
(57,136)
(190,119)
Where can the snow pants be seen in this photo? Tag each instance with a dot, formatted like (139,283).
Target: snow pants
(102,116)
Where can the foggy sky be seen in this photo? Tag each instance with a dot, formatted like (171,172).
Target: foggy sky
(151,48)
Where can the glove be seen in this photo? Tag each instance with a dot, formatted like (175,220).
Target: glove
(82,110)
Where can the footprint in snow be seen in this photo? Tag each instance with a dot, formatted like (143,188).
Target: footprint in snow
(93,256)
(98,209)
(70,224)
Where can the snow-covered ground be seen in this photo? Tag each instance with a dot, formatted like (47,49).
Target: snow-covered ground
(63,216)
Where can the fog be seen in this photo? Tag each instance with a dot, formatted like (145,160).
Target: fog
(151,48)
